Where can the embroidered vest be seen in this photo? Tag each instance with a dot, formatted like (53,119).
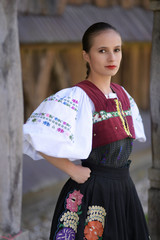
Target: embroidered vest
(112,120)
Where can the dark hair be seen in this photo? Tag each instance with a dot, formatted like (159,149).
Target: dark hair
(90,33)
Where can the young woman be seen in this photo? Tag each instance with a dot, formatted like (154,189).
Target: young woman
(95,121)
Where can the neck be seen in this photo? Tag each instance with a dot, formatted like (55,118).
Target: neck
(102,83)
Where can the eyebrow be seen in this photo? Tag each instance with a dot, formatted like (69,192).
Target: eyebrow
(114,47)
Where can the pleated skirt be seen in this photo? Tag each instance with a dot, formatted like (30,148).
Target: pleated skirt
(105,207)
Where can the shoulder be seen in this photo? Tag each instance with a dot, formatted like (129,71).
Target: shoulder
(73,94)
(131,100)
(122,90)
(122,94)
(69,99)
(137,119)
(118,87)
(69,92)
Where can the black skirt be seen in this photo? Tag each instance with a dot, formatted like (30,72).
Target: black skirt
(105,207)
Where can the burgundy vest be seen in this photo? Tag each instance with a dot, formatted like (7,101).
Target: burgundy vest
(112,120)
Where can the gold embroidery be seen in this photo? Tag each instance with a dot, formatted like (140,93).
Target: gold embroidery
(122,117)
(96,213)
(70,219)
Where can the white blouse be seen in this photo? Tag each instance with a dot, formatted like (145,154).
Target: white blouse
(62,125)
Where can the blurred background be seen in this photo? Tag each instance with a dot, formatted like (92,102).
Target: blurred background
(50,35)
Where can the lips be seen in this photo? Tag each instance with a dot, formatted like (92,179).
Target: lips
(111,66)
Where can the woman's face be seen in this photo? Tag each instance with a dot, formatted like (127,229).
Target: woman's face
(104,56)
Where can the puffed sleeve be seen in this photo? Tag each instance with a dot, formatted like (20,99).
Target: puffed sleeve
(137,120)
(60,127)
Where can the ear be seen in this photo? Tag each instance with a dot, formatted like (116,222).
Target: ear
(85,56)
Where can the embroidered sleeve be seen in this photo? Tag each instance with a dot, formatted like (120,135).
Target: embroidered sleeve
(61,126)
(137,120)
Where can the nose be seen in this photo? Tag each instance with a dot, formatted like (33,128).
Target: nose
(111,56)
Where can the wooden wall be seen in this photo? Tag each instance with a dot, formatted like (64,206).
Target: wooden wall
(47,68)
(52,7)
(108,3)
(134,73)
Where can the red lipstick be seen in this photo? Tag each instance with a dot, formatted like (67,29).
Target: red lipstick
(111,67)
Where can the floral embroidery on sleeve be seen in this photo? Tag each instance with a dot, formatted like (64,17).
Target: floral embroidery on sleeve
(53,122)
(69,219)
(94,223)
(67,101)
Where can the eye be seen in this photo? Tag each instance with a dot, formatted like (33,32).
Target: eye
(102,51)
(117,50)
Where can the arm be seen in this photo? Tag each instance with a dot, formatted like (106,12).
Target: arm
(76,172)
(137,120)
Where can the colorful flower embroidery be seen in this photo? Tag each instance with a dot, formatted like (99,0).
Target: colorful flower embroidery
(67,101)
(46,123)
(69,220)
(139,118)
(132,102)
(93,230)
(103,115)
(74,200)
(96,213)
(60,130)
(94,223)
(65,233)
(51,121)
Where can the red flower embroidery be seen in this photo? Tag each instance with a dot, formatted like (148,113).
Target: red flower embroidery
(60,130)
(74,200)
(93,230)
(74,100)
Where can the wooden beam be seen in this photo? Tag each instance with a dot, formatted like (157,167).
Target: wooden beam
(11,108)
(155,5)
(154,172)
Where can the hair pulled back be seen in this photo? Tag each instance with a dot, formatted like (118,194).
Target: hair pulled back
(90,33)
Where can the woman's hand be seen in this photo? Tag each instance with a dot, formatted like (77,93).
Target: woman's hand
(76,172)
(80,174)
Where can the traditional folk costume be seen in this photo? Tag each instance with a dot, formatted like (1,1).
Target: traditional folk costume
(82,123)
